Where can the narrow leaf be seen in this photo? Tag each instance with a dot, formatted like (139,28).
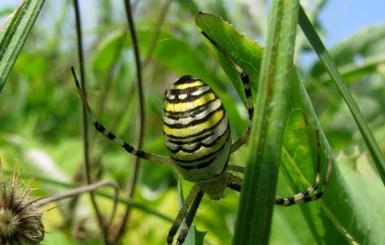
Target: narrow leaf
(14,33)
(321,51)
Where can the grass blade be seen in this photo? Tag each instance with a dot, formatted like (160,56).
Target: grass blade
(321,51)
(14,33)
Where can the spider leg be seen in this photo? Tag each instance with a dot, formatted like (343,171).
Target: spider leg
(189,218)
(189,202)
(241,140)
(234,182)
(236,168)
(99,127)
(310,194)
(246,85)
(313,192)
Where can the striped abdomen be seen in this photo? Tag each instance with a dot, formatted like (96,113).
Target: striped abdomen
(196,129)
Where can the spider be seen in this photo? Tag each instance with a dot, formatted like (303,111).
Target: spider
(198,139)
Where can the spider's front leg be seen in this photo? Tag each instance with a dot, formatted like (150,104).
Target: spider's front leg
(110,135)
(244,77)
(188,211)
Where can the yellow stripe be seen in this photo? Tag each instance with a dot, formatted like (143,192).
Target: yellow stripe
(187,85)
(194,129)
(203,151)
(184,106)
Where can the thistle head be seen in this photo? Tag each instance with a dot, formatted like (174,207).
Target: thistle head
(20,218)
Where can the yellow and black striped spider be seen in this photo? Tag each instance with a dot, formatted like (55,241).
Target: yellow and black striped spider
(198,139)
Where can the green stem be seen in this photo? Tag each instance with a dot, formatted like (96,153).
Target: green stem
(258,192)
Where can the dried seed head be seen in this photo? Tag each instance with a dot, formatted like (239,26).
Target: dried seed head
(20,218)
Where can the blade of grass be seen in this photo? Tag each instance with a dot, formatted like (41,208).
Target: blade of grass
(321,51)
(14,33)
(258,192)
(352,72)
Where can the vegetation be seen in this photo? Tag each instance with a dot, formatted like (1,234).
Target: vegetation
(41,122)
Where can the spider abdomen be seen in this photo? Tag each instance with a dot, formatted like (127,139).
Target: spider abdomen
(196,129)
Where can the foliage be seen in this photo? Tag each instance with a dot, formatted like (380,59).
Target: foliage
(40,122)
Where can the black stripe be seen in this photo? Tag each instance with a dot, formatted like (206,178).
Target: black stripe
(305,193)
(251,113)
(186,79)
(209,38)
(190,98)
(104,131)
(279,200)
(246,84)
(199,166)
(198,145)
(201,158)
(128,147)
(99,127)
(234,186)
(291,201)
(199,133)
(140,153)
(189,92)
(192,140)
(195,122)
(188,113)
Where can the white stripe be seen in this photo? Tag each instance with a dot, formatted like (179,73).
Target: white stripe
(216,133)
(186,120)
(182,96)
(200,90)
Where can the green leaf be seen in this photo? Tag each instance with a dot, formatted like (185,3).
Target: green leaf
(246,52)
(363,184)
(14,34)
(340,215)
(320,49)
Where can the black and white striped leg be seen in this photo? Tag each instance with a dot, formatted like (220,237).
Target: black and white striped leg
(194,193)
(100,128)
(310,194)
(246,85)
(234,183)
(313,192)
(189,218)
